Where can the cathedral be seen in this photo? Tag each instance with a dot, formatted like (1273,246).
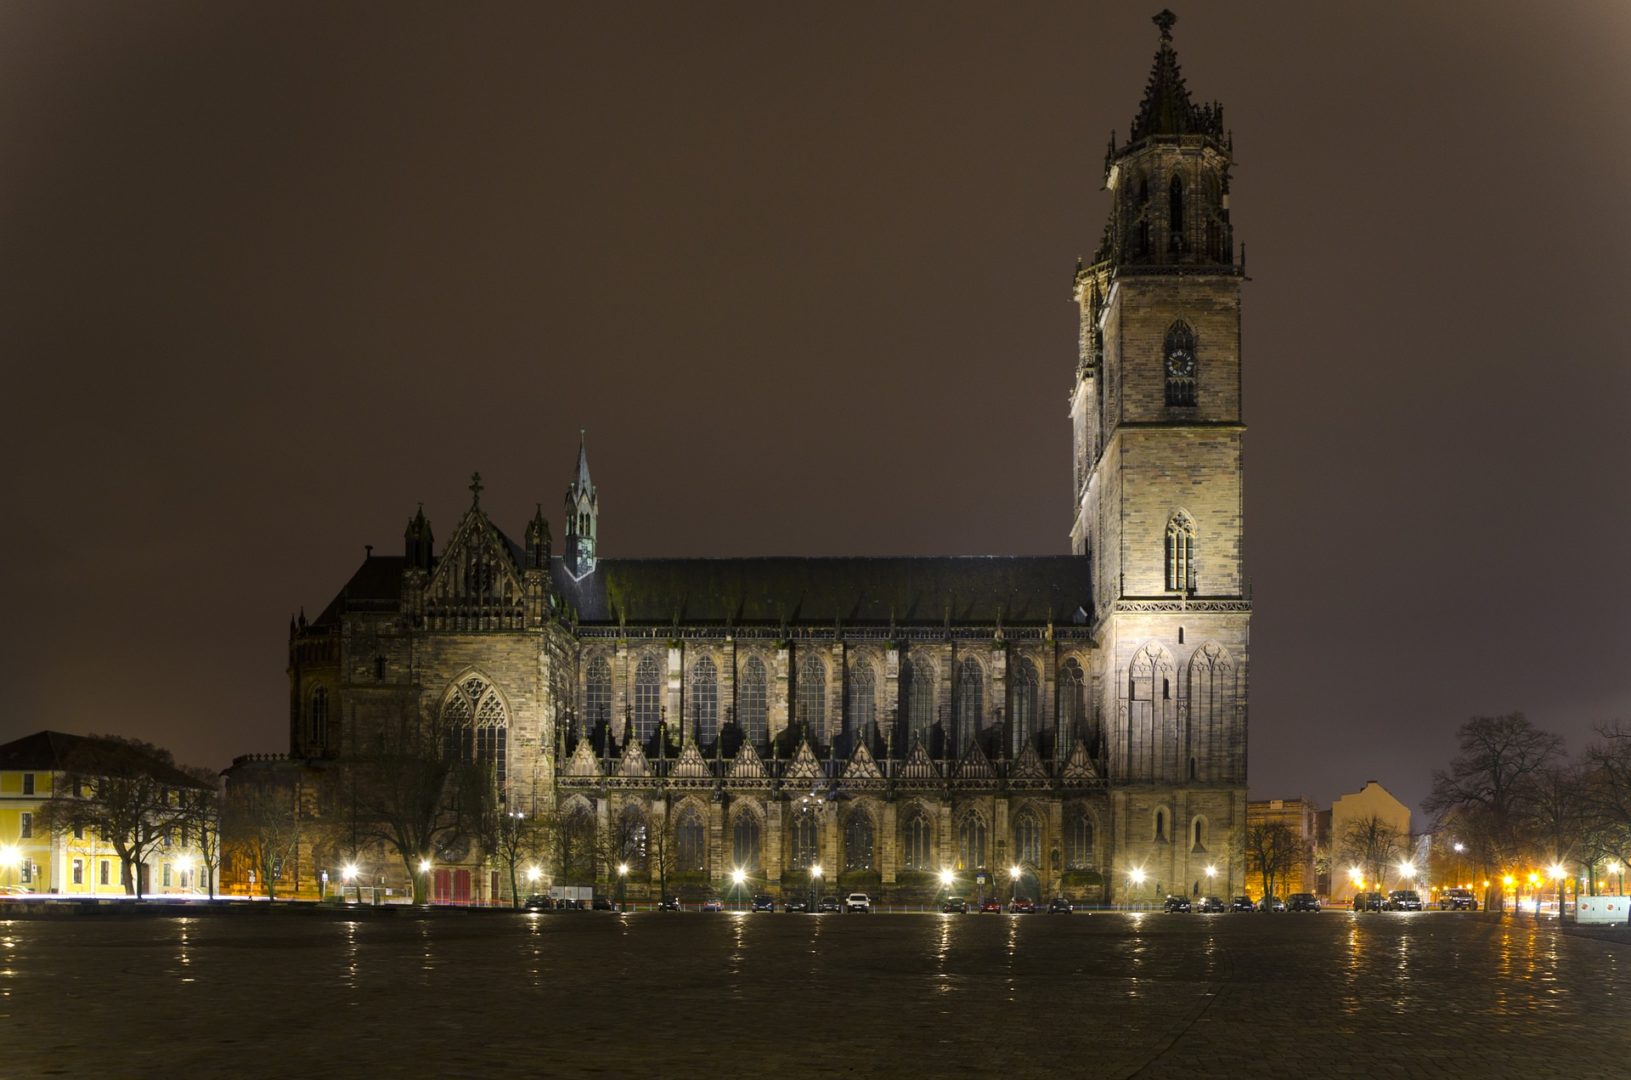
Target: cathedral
(1067,725)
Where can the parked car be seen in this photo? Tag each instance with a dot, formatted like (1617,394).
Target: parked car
(1211,905)
(1176,904)
(955,905)
(796,905)
(1457,900)
(668,903)
(1060,906)
(991,904)
(829,903)
(603,903)
(713,903)
(1022,905)
(538,902)
(1302,901)
(1242,903)
(762,902)
(1367,901)
(858,901)
(1271,903)
(1403,900)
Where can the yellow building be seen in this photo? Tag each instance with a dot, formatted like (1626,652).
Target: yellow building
(76,861)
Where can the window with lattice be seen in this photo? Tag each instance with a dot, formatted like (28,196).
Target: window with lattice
(1028,839)
(690,844)
(919,681)
(970,702)
(1072,701)
(861,701)
(475,728)
(317,718)
(705,700)
(1079,841)
(745,842)
(811,704)
(806,844)
(858,842)
(1022,690)
(1180,552)
(648,697)
(971,842)
(752,710)
(597,694)
(918,842)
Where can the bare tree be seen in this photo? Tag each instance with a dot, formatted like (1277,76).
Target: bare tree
(1273,850)
(130,793)
(204,817)
(1491,786)
(509,837)
(261,823)
(1608,785)
(1373,844)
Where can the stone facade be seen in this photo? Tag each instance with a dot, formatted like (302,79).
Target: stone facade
(1069,719)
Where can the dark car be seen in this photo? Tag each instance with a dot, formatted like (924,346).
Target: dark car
(1367,901)
(955,905)
(1403,900)
(1176,903)
(1457,900)
(762,902)
(991,903)
(603,903)
(668,903)
(796,905)
(1060,906)
(1302,901)
(538,902)
(829,903)
(1242,903)
(1022,905)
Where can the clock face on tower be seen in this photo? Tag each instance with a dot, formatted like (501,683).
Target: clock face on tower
(1180,363)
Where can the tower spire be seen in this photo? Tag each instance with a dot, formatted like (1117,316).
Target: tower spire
(582,516)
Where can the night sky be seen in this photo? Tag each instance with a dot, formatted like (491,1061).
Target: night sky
(273,274)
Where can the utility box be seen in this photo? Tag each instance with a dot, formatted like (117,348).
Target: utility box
(1602,909)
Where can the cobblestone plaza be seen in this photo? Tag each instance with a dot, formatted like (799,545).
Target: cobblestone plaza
(692,995)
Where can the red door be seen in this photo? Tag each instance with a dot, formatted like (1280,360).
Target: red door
(441,887)
(461,886)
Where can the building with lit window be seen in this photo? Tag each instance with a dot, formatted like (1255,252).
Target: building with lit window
(1041,725)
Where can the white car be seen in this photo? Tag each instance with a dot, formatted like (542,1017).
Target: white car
(858,901)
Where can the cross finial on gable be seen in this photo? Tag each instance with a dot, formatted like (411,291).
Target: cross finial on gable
(1165,21)
(475,489)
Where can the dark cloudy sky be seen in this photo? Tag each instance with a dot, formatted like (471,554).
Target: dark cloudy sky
(273,273)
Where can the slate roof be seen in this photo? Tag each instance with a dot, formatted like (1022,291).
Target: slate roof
(51,751)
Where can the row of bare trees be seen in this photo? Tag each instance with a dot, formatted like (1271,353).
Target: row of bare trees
(1513,797)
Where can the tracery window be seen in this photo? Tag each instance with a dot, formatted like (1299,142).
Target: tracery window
(918,842)
(919,681)
(745,841)
(634,841)
(1028,839)
(971,842)
(1072,701)
(751,710)
(812,694)
(1179,354)
(860,701)
(1022,687)
(1180,552)
(705,699)
(648,697)
(576,842)
(970,695)
(1175,214)
(475,727)
(806,845)
(597,694)
(690,850)
(858,842)
(317,717)
(1079,841)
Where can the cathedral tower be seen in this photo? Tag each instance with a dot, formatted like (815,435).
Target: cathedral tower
(1158,444)
(582,518)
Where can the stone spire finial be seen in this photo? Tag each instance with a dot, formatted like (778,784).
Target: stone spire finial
(1165,21)
(475,489)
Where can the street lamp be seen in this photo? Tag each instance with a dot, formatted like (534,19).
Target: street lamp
(1013,878)
(738,876)
(11,859)
(185,865)
(1615,869)
(1560,875)
(1135,878)
(815,876)
(533,874)
(622,884)
(946,880)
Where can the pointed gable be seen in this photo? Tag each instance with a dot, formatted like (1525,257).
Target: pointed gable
(691,764)
(748,765)
(633,762)
(804,765)
(1028,766)
(583,761)
(975,765)
(918,764)
(1079,766)
(862,765)
(477,582)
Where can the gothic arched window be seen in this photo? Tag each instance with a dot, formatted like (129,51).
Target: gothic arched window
(860,701)
(751,710)
(917,841)
(1178,352)
(1028,839)
(1175,214)
(317,718)
(971,842)
(690,843)
(1180,552)
(858,842)
(633,839)
(1072,701)
(1022,686)
(597,694)
(475,727)
(919,682)
(745,841)
(812,694)
(648,697)
(970,700)
(1079,841)
(705,700)
(806,842)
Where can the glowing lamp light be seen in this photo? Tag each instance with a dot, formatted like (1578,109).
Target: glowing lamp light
(1356,874)
(348,871)
(622,869)
(424,866)
(1558,872)
(1534,879)
(1614,868)
(1509,881)
(1460,847)
(1013,873)
(1407,870)
(815,870)
(1136,875)
(1211,871)
(945,878)
(738,876)
(185,864)
(533,873)
(10,857)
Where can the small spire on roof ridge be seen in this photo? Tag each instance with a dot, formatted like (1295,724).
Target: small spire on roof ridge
(475,489)
(1165,20)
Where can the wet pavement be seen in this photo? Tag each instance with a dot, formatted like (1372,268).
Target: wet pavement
(692,995)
